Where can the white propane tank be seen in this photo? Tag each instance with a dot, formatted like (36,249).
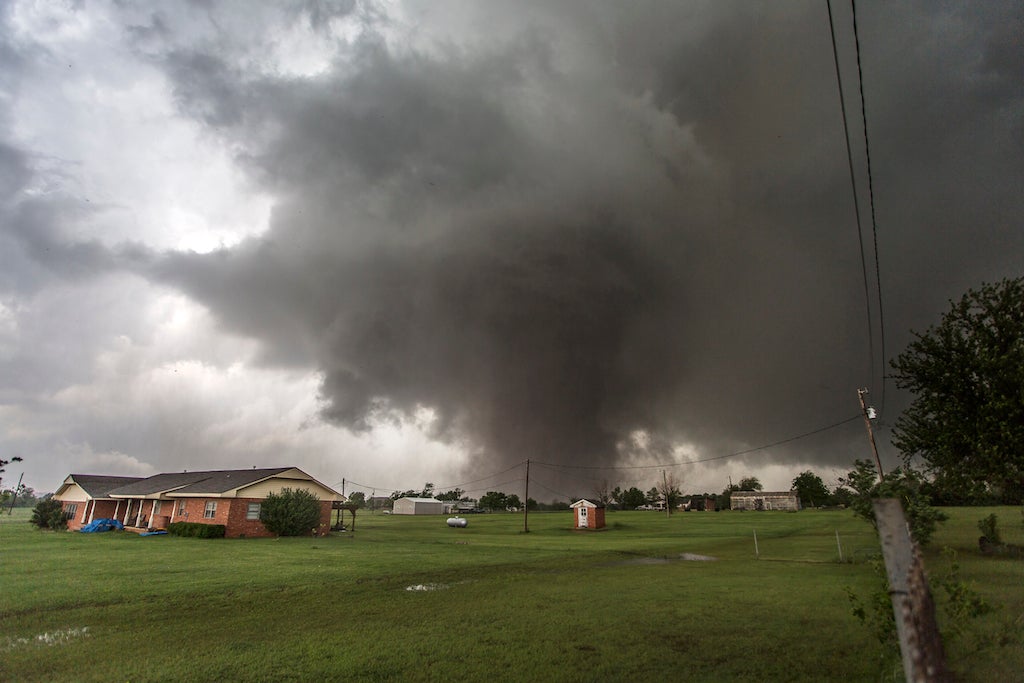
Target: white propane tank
(457,522)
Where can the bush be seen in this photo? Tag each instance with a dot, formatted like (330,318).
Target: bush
(904,484)
(49,514)
(196,530)
(293,512)
(990,530)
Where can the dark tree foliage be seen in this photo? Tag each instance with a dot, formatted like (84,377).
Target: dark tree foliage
(631,498)
(967,376)
(841,496)
(4,463)
(810,489)
(904,484)
(749,484)
(293,512)
(49,514)
(493,500)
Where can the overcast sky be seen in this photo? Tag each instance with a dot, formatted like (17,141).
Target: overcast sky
(407,242)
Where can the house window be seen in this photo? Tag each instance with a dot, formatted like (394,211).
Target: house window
(253,511)
(70,511)
(156,507)
(181,507)
(211,509)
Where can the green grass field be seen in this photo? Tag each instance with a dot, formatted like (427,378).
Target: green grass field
(410,598)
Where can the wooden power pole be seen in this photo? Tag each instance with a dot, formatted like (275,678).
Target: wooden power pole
(924,660)
(526,503)
(867,412)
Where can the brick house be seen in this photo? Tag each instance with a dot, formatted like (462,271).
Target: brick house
(229,497)
(587,515)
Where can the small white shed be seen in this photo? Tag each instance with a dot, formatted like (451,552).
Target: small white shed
(418,506)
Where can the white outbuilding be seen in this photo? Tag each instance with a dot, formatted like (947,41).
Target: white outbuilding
(418,506)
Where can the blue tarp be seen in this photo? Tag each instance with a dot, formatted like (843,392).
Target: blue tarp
(153,533)
(98,525)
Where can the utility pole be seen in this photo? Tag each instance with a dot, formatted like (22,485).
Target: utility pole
(14,495)
(664,483)
(343,486)
(868,414)
(526,503)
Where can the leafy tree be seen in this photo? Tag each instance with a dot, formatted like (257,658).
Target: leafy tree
(632,498)
(617,496)
(49,514)
(841,496)
(357,498)
(750,484)
(967,376)
(724,500)
(811,489)
(293,512)
(902,483)
(494,500)
(455,494)
(427,491)
(653,496)
(512,501)
(408,493)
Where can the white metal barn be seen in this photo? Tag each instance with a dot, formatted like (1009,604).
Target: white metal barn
(418,506)
(761,500)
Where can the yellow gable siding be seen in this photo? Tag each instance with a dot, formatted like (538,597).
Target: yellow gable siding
(73,493)
(276,484)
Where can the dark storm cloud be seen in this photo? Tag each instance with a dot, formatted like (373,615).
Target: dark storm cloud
(613,219)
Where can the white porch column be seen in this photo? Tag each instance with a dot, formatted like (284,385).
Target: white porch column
(138,518)
(117,508)
(92,513)
(85,511)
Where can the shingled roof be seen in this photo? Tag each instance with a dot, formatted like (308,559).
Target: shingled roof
(100,485)
(217,481)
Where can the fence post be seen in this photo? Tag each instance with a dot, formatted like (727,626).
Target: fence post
(921,650)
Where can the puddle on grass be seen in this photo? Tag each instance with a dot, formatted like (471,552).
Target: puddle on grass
(692,557)
(681,557)
(49,638)
(428,587)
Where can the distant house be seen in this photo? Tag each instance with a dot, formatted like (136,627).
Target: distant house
(418,506)
(229,497)
(764,500)
(587,515)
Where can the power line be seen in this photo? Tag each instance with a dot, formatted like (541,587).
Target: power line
(695,462)
(853,184)
(490,476)
(548,489)
(440,488)
(871,198)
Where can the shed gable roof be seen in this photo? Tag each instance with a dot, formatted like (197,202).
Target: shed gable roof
(584,503)
(97,485)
